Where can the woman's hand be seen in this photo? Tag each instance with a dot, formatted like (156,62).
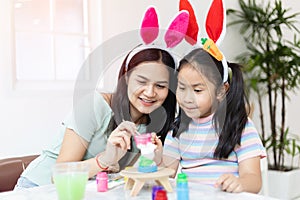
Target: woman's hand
(117,145)
(120,137)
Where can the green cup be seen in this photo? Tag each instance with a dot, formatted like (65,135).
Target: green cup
(70,180)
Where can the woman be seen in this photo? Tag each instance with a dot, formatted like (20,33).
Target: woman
(101,134)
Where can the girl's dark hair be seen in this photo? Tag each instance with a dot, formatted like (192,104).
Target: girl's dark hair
(230,116)
(161,119)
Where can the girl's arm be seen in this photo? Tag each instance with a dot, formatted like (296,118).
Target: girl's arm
(249,179)
(170,162)
(163,160)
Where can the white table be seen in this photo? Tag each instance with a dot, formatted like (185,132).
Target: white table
(197,191)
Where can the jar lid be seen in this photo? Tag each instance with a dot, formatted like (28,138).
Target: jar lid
(102,175)
(181,177)
(161,195)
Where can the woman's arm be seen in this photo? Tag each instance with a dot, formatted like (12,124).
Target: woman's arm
(73,149)
(249,179)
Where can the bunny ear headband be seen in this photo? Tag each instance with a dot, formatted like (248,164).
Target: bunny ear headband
(215,28)
(150,30)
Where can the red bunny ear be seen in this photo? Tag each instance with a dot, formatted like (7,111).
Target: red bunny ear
(215,20)
(177,29)
(192,31)
(149,28)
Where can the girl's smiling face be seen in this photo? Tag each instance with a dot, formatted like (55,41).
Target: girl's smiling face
(195,94)
(148,85)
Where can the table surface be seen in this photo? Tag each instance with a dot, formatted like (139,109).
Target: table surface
(196,191)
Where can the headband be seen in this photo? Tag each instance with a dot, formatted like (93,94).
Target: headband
(150,30)
(215,27)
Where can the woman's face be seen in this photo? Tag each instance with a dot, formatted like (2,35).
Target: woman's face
(194,94)
(148,86)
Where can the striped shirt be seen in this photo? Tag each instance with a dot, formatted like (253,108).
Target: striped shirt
(195,148)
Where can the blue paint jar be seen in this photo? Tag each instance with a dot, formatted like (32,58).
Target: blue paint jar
(182,188)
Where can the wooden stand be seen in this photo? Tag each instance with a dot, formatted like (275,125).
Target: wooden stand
(136,179)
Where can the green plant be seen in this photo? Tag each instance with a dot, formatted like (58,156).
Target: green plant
(271,63)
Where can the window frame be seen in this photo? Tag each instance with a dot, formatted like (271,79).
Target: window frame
(92,31)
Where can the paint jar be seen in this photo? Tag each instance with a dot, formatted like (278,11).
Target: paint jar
(182,188)
(102,182)
(156,188)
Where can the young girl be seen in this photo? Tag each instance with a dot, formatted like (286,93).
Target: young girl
(214,141)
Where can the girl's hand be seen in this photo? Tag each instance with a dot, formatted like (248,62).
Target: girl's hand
(229,183)
(158,152)
(155,140)
(122,134)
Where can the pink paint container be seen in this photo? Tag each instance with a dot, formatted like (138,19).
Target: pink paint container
(102,182)
(142,139)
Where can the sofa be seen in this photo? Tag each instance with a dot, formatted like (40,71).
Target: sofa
(11,169)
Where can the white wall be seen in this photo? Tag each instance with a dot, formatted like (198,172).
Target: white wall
(120,21)
(29,119)
(128,16)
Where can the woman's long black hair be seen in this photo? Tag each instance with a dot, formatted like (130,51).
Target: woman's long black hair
(161,119)
(230,116)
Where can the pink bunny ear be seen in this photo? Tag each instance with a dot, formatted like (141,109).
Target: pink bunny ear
(192,31)
(149,28)
(177,29)
(215,20)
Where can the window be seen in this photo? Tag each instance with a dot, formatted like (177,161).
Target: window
(52,40)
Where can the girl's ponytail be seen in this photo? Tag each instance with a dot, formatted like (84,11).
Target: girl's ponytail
(232,124)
